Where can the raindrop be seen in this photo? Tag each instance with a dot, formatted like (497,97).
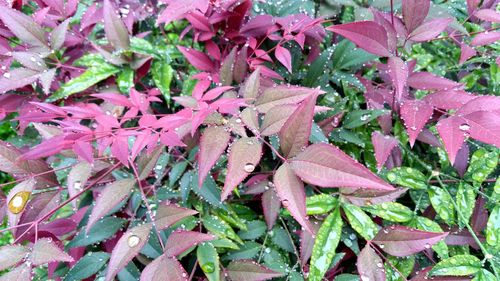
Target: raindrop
(464,127)
(18,202)
(133,241)
(249,167)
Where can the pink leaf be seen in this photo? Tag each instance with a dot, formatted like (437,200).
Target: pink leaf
(58,35)
(181,240)
(247,270)
(45,250)
(414,13)
(178,8)
(276,118)
(23,27)
(250,90)
(383,146)
(77,178)
(271,207)
(485,38)
(480,103)
(18,198)
(402,241)
(120,150)
(466,53)
(257,26)
(327,166)
(113,194)
(484,126)
(10,255)
(164,268)
(415,114)
(291,191)
(449,99)
(307,243)
(370,265)
(215,93)
(428,81)
(213,142)
(295,133)
(452,136)
(429,30)
(399,76)
(198,59)
(244,157)
(17,78)
(365,197)
(488,15)
(20,273)
(368,35)
(84,150)
(168,214)
(283,94)
(127,248)
(284,56)
(226,68)
(115,29)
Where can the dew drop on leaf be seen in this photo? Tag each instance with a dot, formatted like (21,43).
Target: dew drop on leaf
(18,202)
(249,167)
(133,241)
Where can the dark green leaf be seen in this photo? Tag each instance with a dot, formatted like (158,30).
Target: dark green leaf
(100,231)
(87,266)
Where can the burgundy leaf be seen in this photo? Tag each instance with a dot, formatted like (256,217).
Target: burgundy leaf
(485,38)
(10,255)
(462,160)
(240,68)
(484,126)
(247,270)
(429,30)
(327,166)
(284,56)
(250,89)
(271,207)
(466,53)
(283,94)
(370,265)
(368,35)
(398,71)
(45,250)
(165,269)
(276,118)
(451,134)
(39,206)
(198,59)
(291,191)
(383,146)
(415,114)
(295,133)
(23,27)
(226,69)
(213,142)
(58,35)
(181,240)
(17,78)
(115,29)
(367,197)
(112,195)
(414,13)
(488,15)
(402,241)
(429,81)
(178,8)
(244,156)
(148,161)
(307,243)
(168,214)
(77,178)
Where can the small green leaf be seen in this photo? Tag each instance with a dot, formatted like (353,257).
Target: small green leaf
(280,238)
(162,76)
(327,240)
(249,250)
(360,221)
(100,231)
(426,224)
(442,202)
(484,275)
(208,259)
(142,46)
(493,229)
(176,172)
(466,201)
(391,211)
(220,228)
(224,243)
(403,265)
(317,135)
(255,229)
(357,118)
(407,177)
(125,80)
(208,192)
(460,265)
(482,163)
(87,266)
(317,68)
(232,218)
(320,204)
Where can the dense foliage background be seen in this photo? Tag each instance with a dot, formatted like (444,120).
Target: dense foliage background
(249,140)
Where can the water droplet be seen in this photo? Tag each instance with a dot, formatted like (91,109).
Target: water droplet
(464,127)
(208,267)
(133,241)
(249,167)
(18,202)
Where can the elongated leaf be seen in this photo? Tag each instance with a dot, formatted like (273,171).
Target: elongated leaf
(283,55)
(414,13)
(226,68)
(45,250)
(251,87)
(220,228)
(17,199)
(399,76)
(488,15)
(402,241)
(110,197)
(360,221)
(442,202)
(20,273)
(115,29)
(247,270)
(415,114)
(429,225)
(327,240)
(430,29)
(328,166)
(10,255)
(243,159)
(485,38)
(407,177)
(127,248)
(208,259)
(466,200)
(451,134)
(459,265)
(23,27)
(177,9)
(101,231)
(58,35)
(276,118)
(213,142)
(168,214)
(162,76)
(283,94)
(370,265)
(87,266)
(77,178)
(357,118)
(391,211)
(198,59)
(428,81)
(149,161)
(291,191)
(181,240)
(493,229)
(164,268)
(271,206)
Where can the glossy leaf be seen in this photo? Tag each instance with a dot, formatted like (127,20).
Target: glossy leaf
(208,258)
(271,206)
(181,240)
(87,266)
(284,56)
(429,29)
(391,211)
(459,265)
(415,114)
(442,202)
(407,177)
(281,95)
(213,142)
(370,265)
(116,32)
(164,268)
(23,27)
(493,229)
(414,13)
(383,146)
(360,221)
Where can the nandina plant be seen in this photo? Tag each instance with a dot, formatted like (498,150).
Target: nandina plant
(240,140)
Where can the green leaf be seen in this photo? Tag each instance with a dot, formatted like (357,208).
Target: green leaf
(360,221)
(220,228)
(208,258)
(317,135)
(426,224)
(255,229)
(442,202)
(391,211)
(327,240)
(125,80)
(176,172)
(347,55)
(484,275)
(347,277)
(232,218)
(460,265)
(100,231)
(407,177)
(317,68)
(320,204)
(249,250)
(162,76)
(129,273)
(142,46)
(280,238)
(403,265)
(357,118)
(482,163)
(493,229)
(89,78)
(224,243)
(87,266)
(466,201)
(208,192)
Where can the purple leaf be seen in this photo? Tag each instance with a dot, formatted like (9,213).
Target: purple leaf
(39,206)
(283,94)
(178,8)
(226,68)
(244,156)
(10,255)
(307,243)
(276,118)
(399,76)
(428,81)
(23,27)
(368,35)
(449,99)
(271,207)
(17,78)
(77,178)
(462,160)
(466,53)
(112,195)
(485,38)
(291,191)
(250,89)
(367,197)
(240,68)
(402,241)
(488,15)
(115,29)
(452,136)
(370,265)
(295,133)
(181,240)
(45,250)
(284,56)
(327,166)
(58,35)
(257,26)
(127,248)
(484,126)
(164,268)
(429,30)
(383,145)
(168,214)
(415,114)
(20,273)
(414,13)
(247,270)
(198,59)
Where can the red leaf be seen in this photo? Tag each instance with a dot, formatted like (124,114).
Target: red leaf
(370,265)
(415,114)
(291,191)
(127,248)
(247,270)
(428,81)
(198,59)
(429,30)
(284,56)
(327,166)
(383,146)
(164,268)
(398,71)
(45,250)
(84,150)
(368,35)
(178,8)
(271,207)
(295,133)
(244,156)
(484,126)
(181,240)
(168,214)
(488,15)
(365,197)
(485,38)
(276,118)
(10,255)
(414,13)
(402,241)
(115,29)
(213,142)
